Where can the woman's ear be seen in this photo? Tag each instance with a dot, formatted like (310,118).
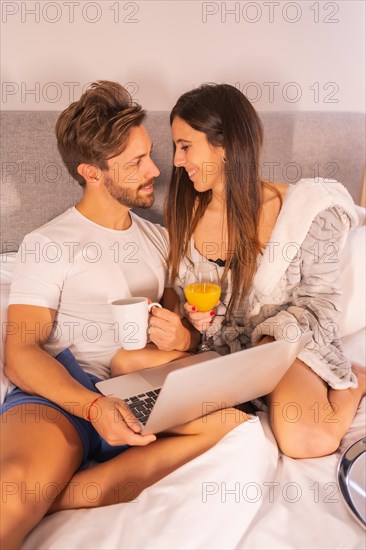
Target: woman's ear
(223,155)
(90,173)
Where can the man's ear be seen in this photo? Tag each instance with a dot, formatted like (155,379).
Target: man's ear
(90,173)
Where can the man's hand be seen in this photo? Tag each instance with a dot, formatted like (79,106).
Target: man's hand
(114,421)
(167,331)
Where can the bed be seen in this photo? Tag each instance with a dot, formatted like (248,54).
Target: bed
(242,493)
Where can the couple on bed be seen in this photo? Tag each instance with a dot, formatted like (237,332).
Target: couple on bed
(218,209)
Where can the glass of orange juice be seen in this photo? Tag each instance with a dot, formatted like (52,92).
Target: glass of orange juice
(202,289)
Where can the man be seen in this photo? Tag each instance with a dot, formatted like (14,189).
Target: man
(92,254)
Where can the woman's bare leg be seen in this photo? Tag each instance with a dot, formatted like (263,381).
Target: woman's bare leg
(308,418)
(122,478)
(40,452)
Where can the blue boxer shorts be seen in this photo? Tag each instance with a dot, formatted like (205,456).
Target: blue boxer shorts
(95,447)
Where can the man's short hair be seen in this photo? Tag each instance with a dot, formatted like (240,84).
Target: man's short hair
(97,127)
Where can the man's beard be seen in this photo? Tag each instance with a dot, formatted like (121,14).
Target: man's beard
(129,197)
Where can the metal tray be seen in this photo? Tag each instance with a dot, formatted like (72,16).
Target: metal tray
(351,475)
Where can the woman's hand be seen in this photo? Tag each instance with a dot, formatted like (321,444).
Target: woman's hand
(200,320)
(167,331)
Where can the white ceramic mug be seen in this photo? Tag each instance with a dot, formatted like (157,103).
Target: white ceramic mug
(131,317)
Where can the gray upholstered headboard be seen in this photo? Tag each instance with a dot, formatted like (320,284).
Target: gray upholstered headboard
(35,186)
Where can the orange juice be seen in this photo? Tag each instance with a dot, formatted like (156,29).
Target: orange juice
(202,295)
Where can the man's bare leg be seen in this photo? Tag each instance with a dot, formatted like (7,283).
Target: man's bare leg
(40,451)
(124,477)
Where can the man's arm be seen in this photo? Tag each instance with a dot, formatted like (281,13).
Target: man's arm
(32,369)
(28,366)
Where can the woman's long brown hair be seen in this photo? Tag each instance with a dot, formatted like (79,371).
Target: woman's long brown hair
(228,119)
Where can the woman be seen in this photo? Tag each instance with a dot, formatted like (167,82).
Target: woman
(219,209)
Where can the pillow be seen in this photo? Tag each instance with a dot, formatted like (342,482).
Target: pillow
(353,277)
(7,264)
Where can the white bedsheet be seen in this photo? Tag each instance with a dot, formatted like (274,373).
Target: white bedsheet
(240,494)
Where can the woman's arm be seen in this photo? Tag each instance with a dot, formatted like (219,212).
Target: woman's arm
(315,303)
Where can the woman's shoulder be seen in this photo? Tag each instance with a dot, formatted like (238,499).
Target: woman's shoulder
(273,197)
(274,190)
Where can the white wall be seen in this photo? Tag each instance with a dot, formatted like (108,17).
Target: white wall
(303,55)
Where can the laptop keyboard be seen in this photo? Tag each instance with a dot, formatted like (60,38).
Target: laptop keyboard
(141,405)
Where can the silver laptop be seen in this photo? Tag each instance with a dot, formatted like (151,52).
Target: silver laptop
(192,387)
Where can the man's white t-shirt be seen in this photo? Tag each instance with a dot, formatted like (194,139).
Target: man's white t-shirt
(78,268)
